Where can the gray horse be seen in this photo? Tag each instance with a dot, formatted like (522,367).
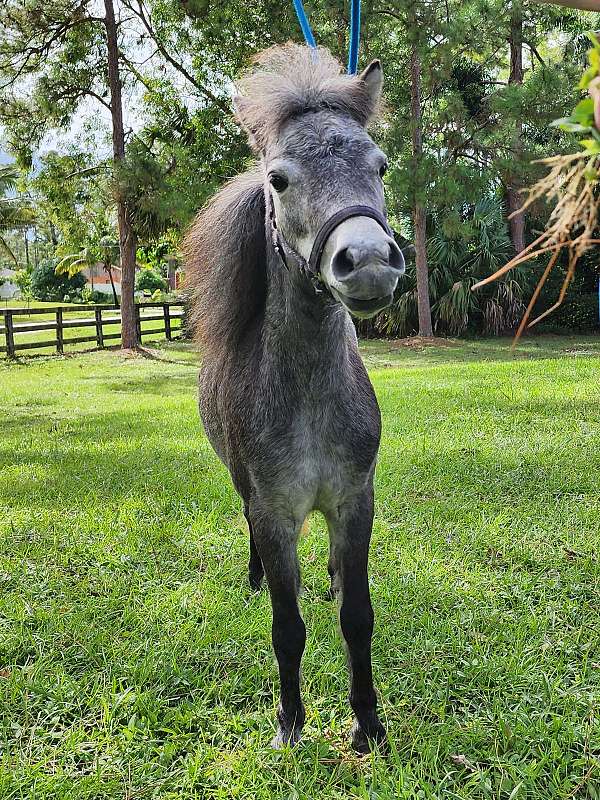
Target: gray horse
(276,261)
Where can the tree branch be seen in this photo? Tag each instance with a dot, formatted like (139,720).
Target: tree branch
(535,52)
(97,97)
(139,12)
(41,51)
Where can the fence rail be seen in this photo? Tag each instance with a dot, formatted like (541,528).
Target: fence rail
(11,329)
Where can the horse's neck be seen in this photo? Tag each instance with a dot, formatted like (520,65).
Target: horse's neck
(303,329)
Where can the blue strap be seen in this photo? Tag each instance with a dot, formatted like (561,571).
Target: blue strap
(305,24)
(354,37)
(354,32)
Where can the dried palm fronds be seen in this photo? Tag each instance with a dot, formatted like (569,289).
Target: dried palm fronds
(572,187)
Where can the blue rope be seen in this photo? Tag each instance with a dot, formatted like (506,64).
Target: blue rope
(354,37)
(354,32)
(305,24)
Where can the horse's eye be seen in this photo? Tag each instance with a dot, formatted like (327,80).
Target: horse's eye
(383,169)
(278,182)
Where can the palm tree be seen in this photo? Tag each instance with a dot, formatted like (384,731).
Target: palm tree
(15,212)
(459,255)
(106,250)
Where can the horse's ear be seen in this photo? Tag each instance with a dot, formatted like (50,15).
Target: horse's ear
(372,78)
(243,111)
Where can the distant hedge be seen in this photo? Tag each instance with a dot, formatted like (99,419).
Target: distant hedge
(47,285)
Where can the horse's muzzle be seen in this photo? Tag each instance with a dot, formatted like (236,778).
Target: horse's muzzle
(364,275)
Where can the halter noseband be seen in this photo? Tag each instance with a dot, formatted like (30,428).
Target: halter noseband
(312,267)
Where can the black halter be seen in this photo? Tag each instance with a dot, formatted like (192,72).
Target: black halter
(311,268)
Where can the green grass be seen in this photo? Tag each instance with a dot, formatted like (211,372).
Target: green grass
(6,302)
(134,663)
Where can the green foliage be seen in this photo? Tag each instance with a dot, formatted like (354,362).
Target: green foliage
(22,280)
(593,70)
(156,256)
(15,211)
(578,313)
(72,264)
(582,118)
(462,249)
(47,285)
(147,280)
(89,295)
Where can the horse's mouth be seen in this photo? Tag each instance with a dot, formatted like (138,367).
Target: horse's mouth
(359,307)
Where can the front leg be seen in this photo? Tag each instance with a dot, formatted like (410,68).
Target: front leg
(350,535)
(276,544)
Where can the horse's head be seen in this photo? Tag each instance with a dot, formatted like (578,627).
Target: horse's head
(323,171)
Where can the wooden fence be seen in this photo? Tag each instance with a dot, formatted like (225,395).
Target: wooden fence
(103,315)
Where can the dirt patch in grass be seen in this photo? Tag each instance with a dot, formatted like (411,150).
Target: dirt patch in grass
(423,342)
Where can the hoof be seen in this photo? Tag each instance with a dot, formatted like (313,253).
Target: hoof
(364,743)
(286,737)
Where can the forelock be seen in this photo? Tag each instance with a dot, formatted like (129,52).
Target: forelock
(290,80)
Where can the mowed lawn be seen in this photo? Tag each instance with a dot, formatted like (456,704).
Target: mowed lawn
(135,663)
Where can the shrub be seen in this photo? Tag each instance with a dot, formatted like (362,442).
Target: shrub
(22,279)
(578,313)
(47,285)
(461,250)
(149,281)
(89,295)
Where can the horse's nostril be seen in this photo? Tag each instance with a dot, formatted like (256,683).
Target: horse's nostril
(343,263)
(396,259)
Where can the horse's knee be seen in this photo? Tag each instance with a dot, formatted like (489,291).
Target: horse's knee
(356,621)
(289,636)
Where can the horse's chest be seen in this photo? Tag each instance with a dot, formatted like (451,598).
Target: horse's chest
(320,461)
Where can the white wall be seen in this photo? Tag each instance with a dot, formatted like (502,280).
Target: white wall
(105,288)
(8,289)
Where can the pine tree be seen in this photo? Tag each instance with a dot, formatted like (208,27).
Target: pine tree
(54,55)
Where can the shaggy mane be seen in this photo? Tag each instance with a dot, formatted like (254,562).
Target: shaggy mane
(289,80)
(225,255)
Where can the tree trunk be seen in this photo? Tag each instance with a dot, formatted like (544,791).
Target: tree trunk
(127,238)
(108,268)
(26,248)
(514,200)
(419,216)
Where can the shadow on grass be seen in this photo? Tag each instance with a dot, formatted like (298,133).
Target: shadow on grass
(122,453)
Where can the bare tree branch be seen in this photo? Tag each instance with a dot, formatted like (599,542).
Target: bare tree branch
(533,49)
(584,5)
(139,12)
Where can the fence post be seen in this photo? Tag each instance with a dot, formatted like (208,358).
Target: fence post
(59,332)
(9,333)
(138,322)
(99,331)
(168,335)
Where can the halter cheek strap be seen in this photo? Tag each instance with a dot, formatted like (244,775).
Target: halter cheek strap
(312,267)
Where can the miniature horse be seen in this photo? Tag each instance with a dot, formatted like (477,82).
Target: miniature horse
(275,262)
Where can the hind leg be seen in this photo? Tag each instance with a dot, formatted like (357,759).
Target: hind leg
(255,566)
(332,570)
